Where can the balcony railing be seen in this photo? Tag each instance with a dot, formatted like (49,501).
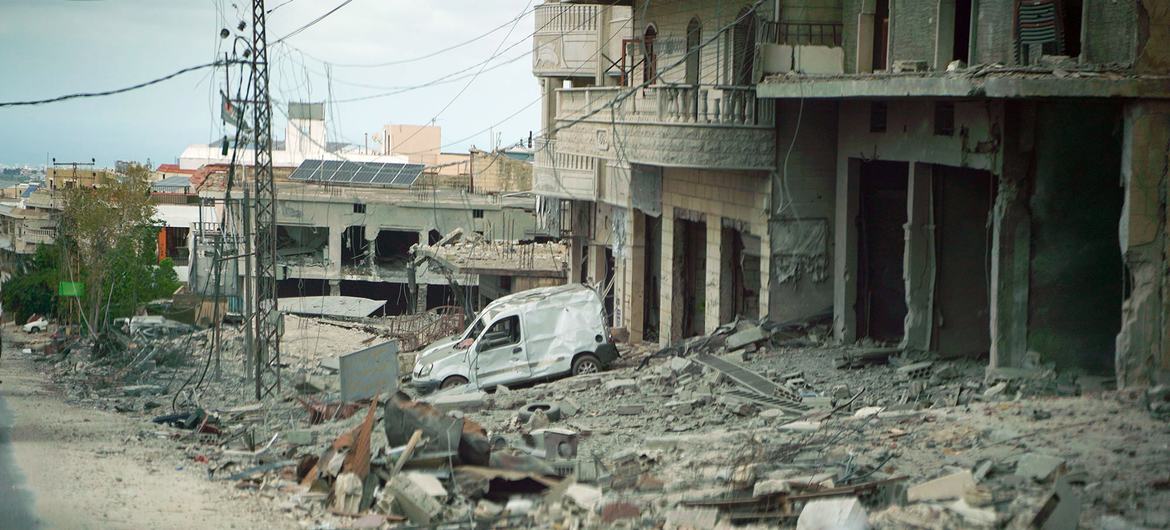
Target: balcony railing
(565,175)
(566,18)
(669,104)
(801,33)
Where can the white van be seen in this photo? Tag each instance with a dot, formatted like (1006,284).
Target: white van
(531,335)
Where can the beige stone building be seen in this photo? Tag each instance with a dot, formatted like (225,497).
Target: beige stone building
(945,177)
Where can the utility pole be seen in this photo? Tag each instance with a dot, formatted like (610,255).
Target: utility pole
(267,314)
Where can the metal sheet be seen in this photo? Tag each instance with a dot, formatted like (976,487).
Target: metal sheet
(371,371)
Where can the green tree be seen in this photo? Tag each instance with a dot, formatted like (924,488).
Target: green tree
(109,240)
(33,290)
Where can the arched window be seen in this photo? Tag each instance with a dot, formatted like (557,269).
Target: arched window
(694,54)
(650,60)
(743,48)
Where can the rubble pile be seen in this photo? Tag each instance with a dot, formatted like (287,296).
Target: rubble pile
(757,425)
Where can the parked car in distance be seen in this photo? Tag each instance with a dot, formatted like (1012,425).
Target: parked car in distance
(36,325)
(527,336)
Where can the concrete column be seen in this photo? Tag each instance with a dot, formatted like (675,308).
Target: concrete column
(420,304)
(333,268)
(1142,354)
(918,265)
(334,287)
(634,273)
(765,266)
(1011,236)
(845,254)
(714,273)
(670,305)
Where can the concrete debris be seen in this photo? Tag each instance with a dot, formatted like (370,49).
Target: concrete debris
(745,427)
(1039,467)
(951,486)
(833,514)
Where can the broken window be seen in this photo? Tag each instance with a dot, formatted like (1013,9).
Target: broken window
(944,118)
(359,208)
(877,116)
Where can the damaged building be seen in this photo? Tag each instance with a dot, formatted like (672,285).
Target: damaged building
(957,177)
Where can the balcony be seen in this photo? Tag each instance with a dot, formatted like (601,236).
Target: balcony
(565,43)
(722,127)
(563,175)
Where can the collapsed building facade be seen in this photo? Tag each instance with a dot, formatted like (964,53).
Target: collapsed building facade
(958,177)
(346,224)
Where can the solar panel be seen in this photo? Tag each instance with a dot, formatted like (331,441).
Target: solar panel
(378,174)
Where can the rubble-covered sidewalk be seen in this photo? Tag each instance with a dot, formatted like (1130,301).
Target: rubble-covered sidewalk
(754,426)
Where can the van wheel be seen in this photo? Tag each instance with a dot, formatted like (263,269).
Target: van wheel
(586,363)
(453,381)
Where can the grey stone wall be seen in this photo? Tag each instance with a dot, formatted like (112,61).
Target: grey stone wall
(993,30)
(912,28)
(1110,32)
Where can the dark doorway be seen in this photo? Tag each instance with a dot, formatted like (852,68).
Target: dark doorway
(609,286)
(649,58)
(739,276)
(651,294)
(433,237)
(694,53)
(881,216)
(354,245)
(881,34)
(690,272)
(393,246)
(962,300)
(962,33)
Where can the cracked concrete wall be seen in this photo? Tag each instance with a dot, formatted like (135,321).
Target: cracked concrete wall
(1153,36)
(803,191)
(1142,356)
(1110,32)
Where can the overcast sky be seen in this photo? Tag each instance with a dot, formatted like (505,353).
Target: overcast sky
(55,47)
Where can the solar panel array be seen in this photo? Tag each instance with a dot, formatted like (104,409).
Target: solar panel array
(380,174)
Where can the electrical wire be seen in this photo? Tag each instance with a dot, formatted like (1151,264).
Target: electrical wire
(115,91)
(311,23)
(420,57)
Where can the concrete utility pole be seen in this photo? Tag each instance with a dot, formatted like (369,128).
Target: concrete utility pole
(267,317)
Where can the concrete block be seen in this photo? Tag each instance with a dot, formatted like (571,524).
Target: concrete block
(946,487)
(866,412)
(692,518)
(910,66)
(415,503)
(427,484)
(916,371)
(820,60)
(630,410)
(584,496)
(833,514)
(469,402)
(619,385)
(740,339)
(801,426)
(300,437)
(1039,467)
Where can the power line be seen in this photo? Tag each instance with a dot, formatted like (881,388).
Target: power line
(311,22)
(117,90)
(420,57)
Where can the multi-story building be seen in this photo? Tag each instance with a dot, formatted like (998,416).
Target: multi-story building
(662,155)
(955,176)
(990,171)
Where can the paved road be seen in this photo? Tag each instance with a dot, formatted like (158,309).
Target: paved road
(69,466)
(16,502)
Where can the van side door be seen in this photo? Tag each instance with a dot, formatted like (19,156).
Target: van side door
(499,353)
